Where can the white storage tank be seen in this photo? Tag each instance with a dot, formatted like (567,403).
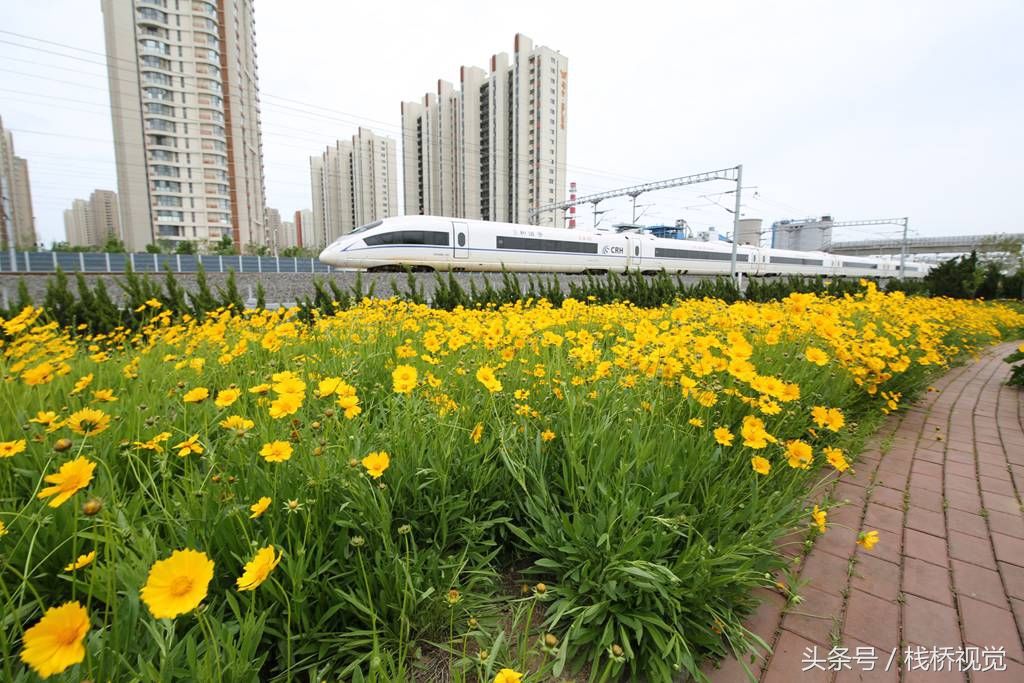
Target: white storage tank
(749,231)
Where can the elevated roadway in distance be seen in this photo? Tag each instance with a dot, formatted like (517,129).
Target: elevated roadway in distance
(929,245)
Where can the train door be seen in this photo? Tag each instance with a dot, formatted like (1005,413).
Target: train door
(634,255)
(460,239)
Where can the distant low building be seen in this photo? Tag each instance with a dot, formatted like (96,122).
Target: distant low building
(807,234)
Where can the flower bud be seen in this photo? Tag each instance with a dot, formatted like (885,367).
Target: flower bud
(357,541)
(541,588)
(616,650)
(92,507)
(551,640)
(62,445)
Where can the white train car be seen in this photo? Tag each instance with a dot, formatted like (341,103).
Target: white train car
(441,244)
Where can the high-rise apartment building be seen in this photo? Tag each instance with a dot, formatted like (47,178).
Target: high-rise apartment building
(303,217)
(17,222)
(495,148)
(92,223)
(185,108)
(354,183)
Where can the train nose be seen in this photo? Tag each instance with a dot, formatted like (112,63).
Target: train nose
(333,254)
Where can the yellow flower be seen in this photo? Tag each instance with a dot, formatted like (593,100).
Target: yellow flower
(71,478)
(288,383)
(328,386)
(376,462)
(403,379)
(276,451)
(9,449)
(760,465)
(816,355)
(285,404)
(485,375)
(88,421)
(754,434)
(350,404)
(547,435)
(189,446)
(178,584)
(154,443)
(819,515)
(3,529)
(226,397)
(867,539)
(836,459)
(81,384)
(45,418)
(259,507)
(104,396)
(237,423)
(40,374)
(832,418)
(799,454)
(82,561)
(257,571)
(508,676)
(696,422)
(259,389)
(55,643)
(196,395)
(477,433)
(723,436)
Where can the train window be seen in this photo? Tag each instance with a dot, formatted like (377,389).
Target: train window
(411,237)
(532,244)
(368,226)
(858,264)
(795,261)
(462,239)
(636,250)
(692,254)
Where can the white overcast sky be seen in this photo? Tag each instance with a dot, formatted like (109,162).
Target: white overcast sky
(864,109)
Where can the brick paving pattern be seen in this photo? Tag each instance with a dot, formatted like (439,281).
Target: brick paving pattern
(941,483)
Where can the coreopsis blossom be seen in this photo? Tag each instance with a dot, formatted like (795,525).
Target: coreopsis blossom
(477,433)
(799,454)
(485,375)
(189,446)
(3,529)
(816,355)
(226,397)
(196,395)
(276,451)
(82,561)
(259,389)
(547,435)
(236,423)
(753,433)
(328,386)
(723,436)
(259,507)
(350,404)
(376,462)
(836,458)
(285,404)
(760,465)
(177,584)
(508,676)
(9,449)
(54,644)
(288,383)
(40,374)
(819,516)
(81,384)
(257,570)
(403,379)
(44,417)
(104,396)
(867,539)
(831,418)
(696,422)
(71,477)
(153,444)
(88,421)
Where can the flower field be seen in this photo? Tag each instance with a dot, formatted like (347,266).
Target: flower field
(511,493)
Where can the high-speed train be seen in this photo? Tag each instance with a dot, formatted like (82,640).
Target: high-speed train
(441,244)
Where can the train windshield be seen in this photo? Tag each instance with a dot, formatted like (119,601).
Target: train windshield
(368,226)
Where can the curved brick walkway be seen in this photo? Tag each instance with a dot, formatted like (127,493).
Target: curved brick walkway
(942,484)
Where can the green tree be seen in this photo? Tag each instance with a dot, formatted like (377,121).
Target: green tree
(185,247)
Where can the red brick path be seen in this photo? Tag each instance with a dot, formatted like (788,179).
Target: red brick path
(942,485)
